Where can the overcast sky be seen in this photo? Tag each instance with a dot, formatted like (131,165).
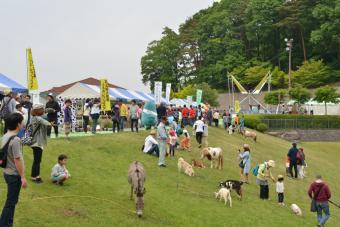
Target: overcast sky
(75,39)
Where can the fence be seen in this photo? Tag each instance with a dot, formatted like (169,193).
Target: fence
(301,123)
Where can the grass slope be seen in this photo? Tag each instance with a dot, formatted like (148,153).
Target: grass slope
(98,193)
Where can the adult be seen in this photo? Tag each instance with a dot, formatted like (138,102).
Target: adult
(216,117)
(40,127)
(245,163)
(8,106)
(162,137)
(185,115)
(151,144)
(115,114)
(192,115)
(14,172)
(264,173)
(242,123)
(237,123)
(123,115)
(319,190)
(86,114)
(139,115)
(95,114)
(199,129)
(27,104)
(52,108)
(210,116)
(225,120)
(292,156)
(199,112)
(133,114)
(300,161)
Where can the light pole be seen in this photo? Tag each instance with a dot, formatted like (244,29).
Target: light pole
(289,46)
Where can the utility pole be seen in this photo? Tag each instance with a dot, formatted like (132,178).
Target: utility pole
(289,46)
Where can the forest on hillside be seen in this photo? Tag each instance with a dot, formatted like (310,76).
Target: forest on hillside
(246,38)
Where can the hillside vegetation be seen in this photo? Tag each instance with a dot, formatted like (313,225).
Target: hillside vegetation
(98,193)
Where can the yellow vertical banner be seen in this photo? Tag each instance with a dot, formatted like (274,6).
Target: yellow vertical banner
(237,106)
(105,104)
(32,82)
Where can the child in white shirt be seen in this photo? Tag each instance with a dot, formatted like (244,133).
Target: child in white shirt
(280,190)
(59,172)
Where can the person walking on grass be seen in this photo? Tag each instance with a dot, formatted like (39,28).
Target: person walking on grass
(162,138)
(216,117)
(115,114)
(67,117)
(39,139)
(320,191)
(86,114)
(245,163)
(300,157)
(292,155)
(264,173)
(123,115)
(59,172)
(52,108)
(14,172)
(95,114)
(199,129)
(133,114)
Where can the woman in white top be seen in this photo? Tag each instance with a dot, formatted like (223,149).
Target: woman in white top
(95,113)
(86,114)
(151,144)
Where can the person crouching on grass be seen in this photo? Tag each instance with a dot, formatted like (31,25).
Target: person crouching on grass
(14,172)
(67,117)
(59,172)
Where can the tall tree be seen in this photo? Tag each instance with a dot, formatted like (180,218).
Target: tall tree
(327,95)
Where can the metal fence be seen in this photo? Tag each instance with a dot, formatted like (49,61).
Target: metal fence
(302,123)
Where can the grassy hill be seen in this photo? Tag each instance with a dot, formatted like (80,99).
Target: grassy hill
(98,193)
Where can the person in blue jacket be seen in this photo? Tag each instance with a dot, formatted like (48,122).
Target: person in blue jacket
(292,155)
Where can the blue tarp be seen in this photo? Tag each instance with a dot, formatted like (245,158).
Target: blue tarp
(7,83)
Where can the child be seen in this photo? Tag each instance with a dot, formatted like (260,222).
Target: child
(280,190)
(185,142)
(59,172)
(67,117)
(172,142)
(287,167)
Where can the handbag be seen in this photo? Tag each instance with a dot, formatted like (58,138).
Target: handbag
(313,207)
(27,139)
(241,164)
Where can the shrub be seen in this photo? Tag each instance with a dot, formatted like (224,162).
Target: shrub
(262,127)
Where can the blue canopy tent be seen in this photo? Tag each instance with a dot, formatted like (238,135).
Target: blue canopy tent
(7,83)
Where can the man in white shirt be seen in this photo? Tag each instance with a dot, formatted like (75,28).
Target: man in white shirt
(151,144)
(199,129)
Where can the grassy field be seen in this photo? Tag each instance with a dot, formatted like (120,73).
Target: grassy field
(98,193)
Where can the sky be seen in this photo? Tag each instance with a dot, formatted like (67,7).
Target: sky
(74,39)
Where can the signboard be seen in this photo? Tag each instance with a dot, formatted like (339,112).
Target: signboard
(105,104)
(32,82)
(189,100)
(167,92)
(158,92)
(237,106)
(199,93)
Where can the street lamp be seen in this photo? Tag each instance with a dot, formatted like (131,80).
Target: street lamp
(289,46)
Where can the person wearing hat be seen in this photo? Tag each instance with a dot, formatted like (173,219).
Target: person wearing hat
(52,109)
(162,138)
(292,155)
(280,190)
(151,144)
(319,191)
(264,173)
(8,106)
(39,138)
(245,163)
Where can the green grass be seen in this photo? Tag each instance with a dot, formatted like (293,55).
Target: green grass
(98,193)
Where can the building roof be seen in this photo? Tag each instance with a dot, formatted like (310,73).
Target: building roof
(90,81)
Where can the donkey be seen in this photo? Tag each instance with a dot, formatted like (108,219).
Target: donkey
(136,178)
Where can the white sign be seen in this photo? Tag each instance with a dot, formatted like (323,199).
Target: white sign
(167,92)
(189,100)
(158,92)
(35,96)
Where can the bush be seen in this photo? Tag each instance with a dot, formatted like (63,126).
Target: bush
(262,127)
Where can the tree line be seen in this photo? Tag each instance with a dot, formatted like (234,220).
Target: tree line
(246,38)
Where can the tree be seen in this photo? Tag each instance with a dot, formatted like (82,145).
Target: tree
(210,95)
(311,74)
(275,97)
(327,95)
(299,94)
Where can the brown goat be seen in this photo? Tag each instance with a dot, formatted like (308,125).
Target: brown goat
(136,178)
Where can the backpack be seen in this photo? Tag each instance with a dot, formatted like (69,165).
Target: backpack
(4,152)
(256,170)
(4,111)
(27,139)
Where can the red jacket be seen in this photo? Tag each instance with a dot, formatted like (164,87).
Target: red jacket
(192,113)
(324,194)
(185,112)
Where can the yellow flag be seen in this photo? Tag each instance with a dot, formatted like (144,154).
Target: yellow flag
(237,106)
(32,82)
(105,104)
